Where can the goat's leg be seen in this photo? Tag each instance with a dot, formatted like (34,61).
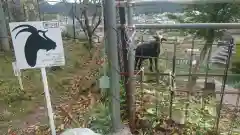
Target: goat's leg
(140,63)
(156,64)
(151,64)
(136,62)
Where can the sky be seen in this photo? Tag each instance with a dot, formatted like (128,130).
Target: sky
(177,1)
(52,2)
(56,1)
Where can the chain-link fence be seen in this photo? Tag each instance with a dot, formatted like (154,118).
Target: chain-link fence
(197,105)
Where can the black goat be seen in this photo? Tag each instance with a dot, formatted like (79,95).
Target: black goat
(148,49)
(34,43)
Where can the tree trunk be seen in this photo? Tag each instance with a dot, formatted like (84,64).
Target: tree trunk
(3,30)
(90,38)
(207,45)
(90,41)
(16,11)
(90,44)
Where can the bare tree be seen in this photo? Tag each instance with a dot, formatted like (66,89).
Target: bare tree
(30,10)
(89,27)
(16,10)
(23,10)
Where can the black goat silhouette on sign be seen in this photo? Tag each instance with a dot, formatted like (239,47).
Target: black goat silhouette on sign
(34,43)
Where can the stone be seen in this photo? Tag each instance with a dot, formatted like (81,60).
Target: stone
(123,131)
(79,131)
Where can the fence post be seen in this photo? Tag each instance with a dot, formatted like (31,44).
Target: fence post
(219,108)
(131,60)
(123,38)
(173,79)
(111,35)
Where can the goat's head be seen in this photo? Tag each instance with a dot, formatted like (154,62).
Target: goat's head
(47,43)
(44,42)
(159,38)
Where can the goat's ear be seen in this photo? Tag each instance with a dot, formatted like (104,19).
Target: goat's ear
(156,37)
(163,39)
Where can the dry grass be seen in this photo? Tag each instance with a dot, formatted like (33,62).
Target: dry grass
(21,108)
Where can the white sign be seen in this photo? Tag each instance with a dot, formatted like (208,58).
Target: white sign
(37,44)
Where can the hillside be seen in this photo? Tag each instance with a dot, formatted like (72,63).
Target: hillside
(158,7)
(65,8)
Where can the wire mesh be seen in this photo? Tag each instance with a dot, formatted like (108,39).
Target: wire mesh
(169,96)
(182,99)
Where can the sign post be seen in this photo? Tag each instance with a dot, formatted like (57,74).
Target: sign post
(38,45)
(48,100)
(17,73)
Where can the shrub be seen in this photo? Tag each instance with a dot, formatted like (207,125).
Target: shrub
(10,93)
(100,119)
(100,115)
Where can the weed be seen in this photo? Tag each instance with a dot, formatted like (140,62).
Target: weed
(21,103)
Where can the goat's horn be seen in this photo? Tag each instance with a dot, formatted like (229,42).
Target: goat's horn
(26,25)
(30,29)
(42,31)
(44,34)
(23,30)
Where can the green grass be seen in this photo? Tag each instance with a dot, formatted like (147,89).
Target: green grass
(16,104)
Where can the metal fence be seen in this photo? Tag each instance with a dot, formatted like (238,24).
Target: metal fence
(174,84)
(174,80)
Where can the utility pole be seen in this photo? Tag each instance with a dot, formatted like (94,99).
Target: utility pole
(104,15)
(111,35)
(131,81)
(73,17)
(3,30)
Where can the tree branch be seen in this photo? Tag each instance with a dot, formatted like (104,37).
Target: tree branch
(81,22)
(98,22)
(94,16)
(84,22)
